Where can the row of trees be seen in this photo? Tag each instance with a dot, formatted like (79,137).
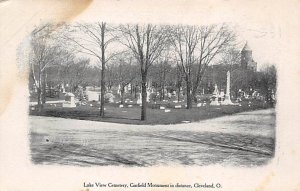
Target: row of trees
(126,53)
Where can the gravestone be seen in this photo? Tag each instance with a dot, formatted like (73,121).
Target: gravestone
(215,96)
(222,95)
(139,101)
(69,100)
(93,96)
(63,90)
(119,90)
(169,95)
(148,95)
(109,97)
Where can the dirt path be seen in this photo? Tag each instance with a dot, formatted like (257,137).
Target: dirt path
(242,139)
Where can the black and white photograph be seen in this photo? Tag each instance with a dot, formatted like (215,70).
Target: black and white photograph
(147,94)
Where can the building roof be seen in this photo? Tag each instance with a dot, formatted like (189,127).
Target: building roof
(246,47)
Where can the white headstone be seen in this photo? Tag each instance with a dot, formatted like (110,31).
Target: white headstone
(148,95)
(119,90)
(139,101)
(69,100)
(93,96)
(63,88)
(215,96)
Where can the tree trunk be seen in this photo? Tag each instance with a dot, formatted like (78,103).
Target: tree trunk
(193,96)
(188,94)
(163,91)
(43,87)
(131,90)
(102,93)
(135,94)
(144,96)
(40,106)
(122,94)
(178,94)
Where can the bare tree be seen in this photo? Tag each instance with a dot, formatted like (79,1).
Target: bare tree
(124,71)
(267,82)
(146,43)
(231,57)
(94,40)
(44,52)
(185,40)
(195,48)
(73,72)
(160,74)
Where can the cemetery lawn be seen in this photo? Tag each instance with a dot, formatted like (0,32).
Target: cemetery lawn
(155,115)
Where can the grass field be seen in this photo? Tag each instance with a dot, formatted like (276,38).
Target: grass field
(154,115)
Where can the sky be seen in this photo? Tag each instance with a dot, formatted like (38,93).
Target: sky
(256,22)
(263,39)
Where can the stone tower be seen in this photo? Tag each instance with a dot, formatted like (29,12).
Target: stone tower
(247,61)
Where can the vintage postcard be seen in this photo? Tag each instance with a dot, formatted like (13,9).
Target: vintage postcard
(149,95)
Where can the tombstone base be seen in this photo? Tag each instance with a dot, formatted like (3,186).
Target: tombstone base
(227,101)
(215,102)
(69,105)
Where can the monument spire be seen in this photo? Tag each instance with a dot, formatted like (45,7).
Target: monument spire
(227,100)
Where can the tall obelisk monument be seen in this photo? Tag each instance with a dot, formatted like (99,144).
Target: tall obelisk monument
(227,100)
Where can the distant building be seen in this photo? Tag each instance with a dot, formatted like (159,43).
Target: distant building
(247,61)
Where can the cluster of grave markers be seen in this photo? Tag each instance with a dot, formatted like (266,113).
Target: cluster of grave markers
(216,99)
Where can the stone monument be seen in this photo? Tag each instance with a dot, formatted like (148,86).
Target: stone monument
(215,96)
(227,100)
(148,95)
(69,100)
(63,90)
(93,95)
(119,90)
(139,101)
